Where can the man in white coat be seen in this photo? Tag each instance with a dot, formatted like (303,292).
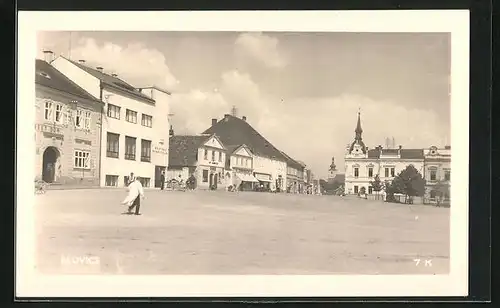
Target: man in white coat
(135,194)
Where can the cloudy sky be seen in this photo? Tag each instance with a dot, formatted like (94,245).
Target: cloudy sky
(302,91)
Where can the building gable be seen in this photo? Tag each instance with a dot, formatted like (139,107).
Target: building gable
(243,151)
(214,142)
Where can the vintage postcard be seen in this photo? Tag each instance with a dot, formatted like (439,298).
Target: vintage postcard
(242,154)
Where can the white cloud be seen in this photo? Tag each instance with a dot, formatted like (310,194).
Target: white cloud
(262,48)
(134,62)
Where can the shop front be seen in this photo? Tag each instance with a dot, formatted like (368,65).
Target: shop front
(264,181)
(244,180)
(210,177)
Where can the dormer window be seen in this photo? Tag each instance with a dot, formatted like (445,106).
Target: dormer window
(44,74)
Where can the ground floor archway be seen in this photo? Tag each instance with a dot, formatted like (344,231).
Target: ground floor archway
(50,156)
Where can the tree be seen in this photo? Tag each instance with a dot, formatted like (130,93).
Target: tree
(377,185)
(409,182)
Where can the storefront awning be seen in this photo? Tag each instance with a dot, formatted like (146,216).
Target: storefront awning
(246,177)
(263,177)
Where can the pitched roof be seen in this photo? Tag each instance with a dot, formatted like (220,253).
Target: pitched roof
(405,153)
(233,130)
(114,82)
(183,150)
(292,162)
(48,76)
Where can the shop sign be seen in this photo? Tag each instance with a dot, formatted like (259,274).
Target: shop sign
(160,149)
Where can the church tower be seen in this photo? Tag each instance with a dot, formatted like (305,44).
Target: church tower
(332,171)
(357,148)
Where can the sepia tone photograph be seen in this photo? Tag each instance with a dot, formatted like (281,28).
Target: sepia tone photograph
(242,153)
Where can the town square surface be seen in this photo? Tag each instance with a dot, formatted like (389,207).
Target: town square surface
(215,232)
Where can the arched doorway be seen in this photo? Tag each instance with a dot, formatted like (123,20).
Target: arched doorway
(50,156)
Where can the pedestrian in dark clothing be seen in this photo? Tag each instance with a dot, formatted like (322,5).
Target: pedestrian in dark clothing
(162,179)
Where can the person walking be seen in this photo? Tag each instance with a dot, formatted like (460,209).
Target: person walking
(162,179)
(135,194)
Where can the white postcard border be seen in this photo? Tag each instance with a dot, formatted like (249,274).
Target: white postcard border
(30,284)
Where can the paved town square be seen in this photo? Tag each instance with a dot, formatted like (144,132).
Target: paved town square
(216,232)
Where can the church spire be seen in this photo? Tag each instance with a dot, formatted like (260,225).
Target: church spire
(358,130)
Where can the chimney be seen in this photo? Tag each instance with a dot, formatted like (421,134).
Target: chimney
(116,75)
(400,147)
(214,121)
(226,117)
(48,55)
(81,61)
(244,118)
(171,131)
(99,68)
(447,147)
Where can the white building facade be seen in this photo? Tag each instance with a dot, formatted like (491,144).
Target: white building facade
(363,164)
(134,126)
(437,173)
(270,172)
(239,168)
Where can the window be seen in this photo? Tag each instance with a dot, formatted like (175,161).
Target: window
(355,189)
(370,190)
(131,116)
(370,172)
(79,118)
(220,156)
(356,172)
(59,113)
(111,180)
(145,150)
(147,120)
(393,173)
(433,175)
(144,181)
(205,154)
(82,159)
(86,119)
(247,162)
(205,176)
(213,155)
(48,111)
(447,175)
(386,172)
(113,145)
(114,111)
(130,148)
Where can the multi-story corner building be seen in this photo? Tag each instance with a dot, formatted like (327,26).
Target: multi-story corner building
(134,126)
(269,164)
(437,173)
(203,156)
(67,129)
(362,164)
